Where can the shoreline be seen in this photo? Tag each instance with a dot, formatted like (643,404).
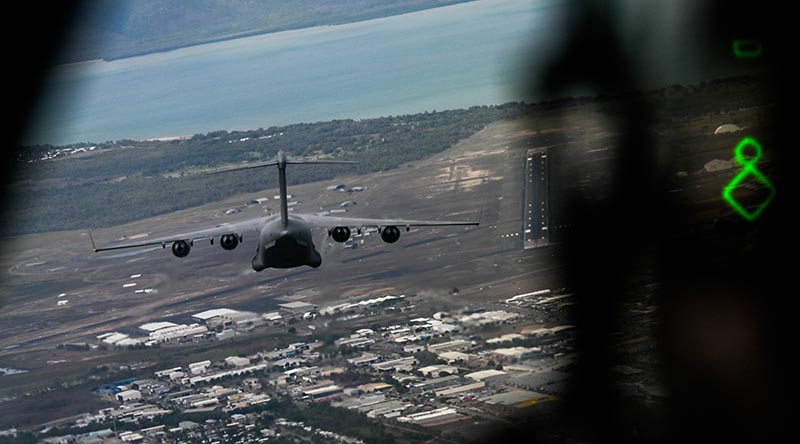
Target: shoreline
(257,32)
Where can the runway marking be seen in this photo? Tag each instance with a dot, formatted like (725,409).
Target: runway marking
(536,199)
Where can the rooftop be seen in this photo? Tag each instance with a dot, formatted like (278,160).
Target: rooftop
(296,305)
(153,326)
(208,314)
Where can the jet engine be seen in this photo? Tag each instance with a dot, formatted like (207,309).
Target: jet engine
(390,234)
(229,241)
(340,234)
(181,248)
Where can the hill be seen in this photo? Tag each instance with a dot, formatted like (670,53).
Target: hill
(125,28)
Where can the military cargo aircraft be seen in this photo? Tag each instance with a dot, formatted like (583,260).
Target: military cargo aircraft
(284,240)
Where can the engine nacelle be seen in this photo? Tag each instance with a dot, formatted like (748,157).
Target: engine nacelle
(229,241)
(390,234)
(340,234)
(181,248)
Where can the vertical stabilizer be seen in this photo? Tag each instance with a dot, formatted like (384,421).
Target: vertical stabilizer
(282,184)
(281,163)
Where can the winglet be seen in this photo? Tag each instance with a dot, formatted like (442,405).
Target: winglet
(94,247)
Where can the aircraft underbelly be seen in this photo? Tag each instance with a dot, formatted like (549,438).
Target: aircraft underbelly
(287,252)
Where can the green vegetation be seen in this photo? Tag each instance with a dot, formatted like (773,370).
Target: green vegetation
(128,180)
(122,181)
(124,28)
(387,378)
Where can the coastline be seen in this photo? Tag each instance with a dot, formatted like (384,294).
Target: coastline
(262,31)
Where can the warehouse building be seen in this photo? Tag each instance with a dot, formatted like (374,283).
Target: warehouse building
(226,317)
(296,308)
(433,417)
(488,376)
(129,395)
(322,393)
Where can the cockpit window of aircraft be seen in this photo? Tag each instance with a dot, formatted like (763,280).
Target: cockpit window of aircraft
(397,221)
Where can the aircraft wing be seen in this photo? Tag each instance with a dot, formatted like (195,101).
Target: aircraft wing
(237,228)
(356,222)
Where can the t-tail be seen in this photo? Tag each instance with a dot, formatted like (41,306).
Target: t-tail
(281,161)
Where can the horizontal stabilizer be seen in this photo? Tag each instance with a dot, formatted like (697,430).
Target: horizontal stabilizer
(320,162)
(249,166)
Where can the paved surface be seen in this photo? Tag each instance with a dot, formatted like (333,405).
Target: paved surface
(535,213)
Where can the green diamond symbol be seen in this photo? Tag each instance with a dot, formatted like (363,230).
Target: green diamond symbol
(751,173)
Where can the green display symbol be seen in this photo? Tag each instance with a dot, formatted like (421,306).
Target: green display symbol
(747,49)
(749,172)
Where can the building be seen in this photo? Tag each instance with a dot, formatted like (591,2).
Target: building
(273,318)
(112,338)
(487,317)
(179,332)
(153,326)
(363,360)
(547,381)
(433,417)
(129,395)
(512,353)
(488,376)
(414,348)
(197,368)
(167,372)
(226,317)
(402,364)
(508,401)
(436,371)
(374,387)
(454,345)
(236,361)
(204,316)
(454,356)
(322,393)
(296,308)
(451,391)
(510,337)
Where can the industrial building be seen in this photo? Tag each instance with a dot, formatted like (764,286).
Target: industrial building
(129,395)
(273,318)
(153,326)
(457,390)
(296,308)
(237,361)
(401,364)
(513,353)
(438,370)
(322,393)
(454,345)
(454,356)
(548,381)
(518,399)
(226,317)
(433,417)
(179,332)
(488,376)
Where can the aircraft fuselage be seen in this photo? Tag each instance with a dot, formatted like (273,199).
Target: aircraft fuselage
(285,246)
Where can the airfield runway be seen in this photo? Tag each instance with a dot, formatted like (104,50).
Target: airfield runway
(535,212)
